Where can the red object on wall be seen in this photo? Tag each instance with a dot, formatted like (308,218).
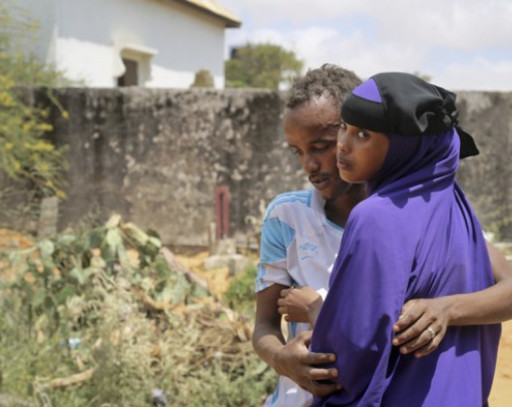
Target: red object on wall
(221,211)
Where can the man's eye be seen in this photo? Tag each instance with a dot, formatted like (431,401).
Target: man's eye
(363,134)
(321,149)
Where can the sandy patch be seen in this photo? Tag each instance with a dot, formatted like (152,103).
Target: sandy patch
(501,393)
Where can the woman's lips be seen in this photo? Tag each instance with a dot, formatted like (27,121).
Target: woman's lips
(341,162)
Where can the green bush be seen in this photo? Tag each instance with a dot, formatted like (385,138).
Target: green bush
(102,303)
(240,294)
(25,152)
(261,66)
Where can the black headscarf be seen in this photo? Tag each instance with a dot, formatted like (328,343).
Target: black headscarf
(407,105)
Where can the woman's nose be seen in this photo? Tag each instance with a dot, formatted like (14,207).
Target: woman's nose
(342,140)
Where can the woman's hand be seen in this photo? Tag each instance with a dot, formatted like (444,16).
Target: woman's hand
(421,326)
(299,304)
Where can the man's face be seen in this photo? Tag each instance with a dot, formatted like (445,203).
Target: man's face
(311,132)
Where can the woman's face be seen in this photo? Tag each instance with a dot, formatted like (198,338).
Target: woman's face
(360,153)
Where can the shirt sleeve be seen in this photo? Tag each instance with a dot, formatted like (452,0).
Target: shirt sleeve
(276,236)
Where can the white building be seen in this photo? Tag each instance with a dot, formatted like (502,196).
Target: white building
(152,43)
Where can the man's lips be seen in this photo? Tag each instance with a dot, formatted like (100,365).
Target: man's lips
(319,181)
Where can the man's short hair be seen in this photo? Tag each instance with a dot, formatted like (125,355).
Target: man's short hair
(329,79)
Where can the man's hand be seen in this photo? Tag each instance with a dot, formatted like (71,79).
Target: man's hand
(299,304)
(295,361)
(421,326)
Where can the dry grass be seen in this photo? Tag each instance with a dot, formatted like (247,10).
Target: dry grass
(136,332)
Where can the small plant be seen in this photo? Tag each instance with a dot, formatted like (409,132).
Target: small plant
(240,295)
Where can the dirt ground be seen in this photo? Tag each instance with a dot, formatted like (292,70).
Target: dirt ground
(218,279)
(501,393)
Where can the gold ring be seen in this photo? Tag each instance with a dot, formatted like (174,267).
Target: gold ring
(431,332)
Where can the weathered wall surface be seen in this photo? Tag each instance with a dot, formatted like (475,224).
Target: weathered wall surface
(487,178)
(155,156)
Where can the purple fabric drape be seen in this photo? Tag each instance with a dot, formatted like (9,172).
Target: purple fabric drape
(415,236)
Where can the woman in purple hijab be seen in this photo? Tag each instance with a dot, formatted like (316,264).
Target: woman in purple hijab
(415,236)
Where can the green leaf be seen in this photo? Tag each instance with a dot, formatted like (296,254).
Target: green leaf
(96,237)
(79,275)
(161,267)
(66,292)
(113,221)
(98,262)
(167,295)
(65,239)
(155,241)
(39,297)
(146,284)
(113,239)
(175,293)
(47,247)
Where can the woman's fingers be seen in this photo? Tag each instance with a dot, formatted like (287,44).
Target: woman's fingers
(426,341)
(421,327)
(411,312)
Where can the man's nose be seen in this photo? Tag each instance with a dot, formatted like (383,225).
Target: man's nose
(311,164)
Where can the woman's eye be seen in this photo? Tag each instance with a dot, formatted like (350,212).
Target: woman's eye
(362,134)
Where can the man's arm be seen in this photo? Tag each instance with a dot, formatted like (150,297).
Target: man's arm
(489,306)
(292,359)
(268,338)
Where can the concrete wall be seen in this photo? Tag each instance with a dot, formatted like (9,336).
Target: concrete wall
(487,178)
(156,156)
(84,39)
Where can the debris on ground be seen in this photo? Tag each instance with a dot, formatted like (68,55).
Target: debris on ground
(132,318)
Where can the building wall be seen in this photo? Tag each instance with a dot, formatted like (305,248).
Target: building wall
(156,156)
(90,34)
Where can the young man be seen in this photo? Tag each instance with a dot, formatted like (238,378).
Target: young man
(301,234)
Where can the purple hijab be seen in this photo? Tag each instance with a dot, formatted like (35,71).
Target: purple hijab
(415,236)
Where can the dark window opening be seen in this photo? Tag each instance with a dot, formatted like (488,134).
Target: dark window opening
(131,74)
